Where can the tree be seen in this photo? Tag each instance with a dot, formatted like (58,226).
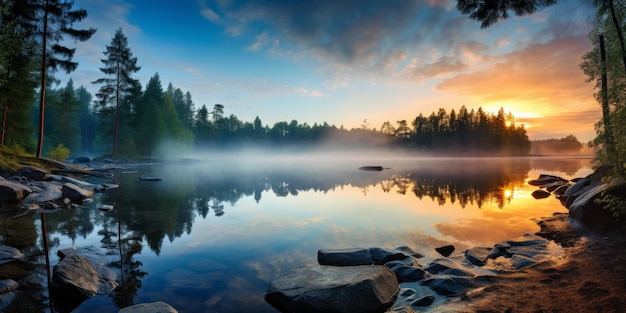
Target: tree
(119,66)
(149,123)
(17,73)
(65,118)
(489,12)
(87,119)
(58,19)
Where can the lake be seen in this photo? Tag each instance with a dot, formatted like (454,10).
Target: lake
(213,233)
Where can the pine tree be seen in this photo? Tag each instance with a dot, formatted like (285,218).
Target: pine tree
(119,66)
(56,18)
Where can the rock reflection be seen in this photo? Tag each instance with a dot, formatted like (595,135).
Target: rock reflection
(145,213)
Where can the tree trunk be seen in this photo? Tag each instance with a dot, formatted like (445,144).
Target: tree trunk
(604,95)
(4,122)
(620,35)
(44,73)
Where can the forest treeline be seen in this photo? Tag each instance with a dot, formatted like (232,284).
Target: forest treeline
(156,115)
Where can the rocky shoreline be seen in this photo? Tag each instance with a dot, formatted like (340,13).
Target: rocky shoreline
(81,273)
(395,281)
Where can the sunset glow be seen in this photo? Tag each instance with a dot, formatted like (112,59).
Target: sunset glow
(350,61)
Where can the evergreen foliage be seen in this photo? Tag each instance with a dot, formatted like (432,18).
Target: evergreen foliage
(117,86)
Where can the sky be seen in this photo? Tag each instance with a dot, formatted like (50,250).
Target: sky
(353,62)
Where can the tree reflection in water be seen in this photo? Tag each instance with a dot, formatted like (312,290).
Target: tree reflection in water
(147,212)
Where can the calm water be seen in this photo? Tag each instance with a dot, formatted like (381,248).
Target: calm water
(211,235)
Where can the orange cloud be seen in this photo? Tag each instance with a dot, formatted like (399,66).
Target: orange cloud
(543,80)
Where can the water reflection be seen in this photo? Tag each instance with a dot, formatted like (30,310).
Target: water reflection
(152,216)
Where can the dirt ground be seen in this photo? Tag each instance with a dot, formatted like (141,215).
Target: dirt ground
(590,278)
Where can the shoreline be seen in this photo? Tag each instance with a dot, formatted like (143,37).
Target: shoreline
(590,278)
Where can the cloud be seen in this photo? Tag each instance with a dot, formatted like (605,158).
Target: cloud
(262,40)
(210,15)
(547,71)
(441,67)
(359,33)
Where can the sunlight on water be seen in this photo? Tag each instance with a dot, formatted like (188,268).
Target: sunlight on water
(210,237)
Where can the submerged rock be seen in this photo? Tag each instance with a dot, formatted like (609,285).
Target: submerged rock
(351,289)
(152,307)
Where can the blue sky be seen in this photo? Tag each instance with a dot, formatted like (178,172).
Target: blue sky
(344,62)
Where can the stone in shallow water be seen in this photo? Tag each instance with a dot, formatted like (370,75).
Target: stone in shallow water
(445,250)
(450,285)
(424,301)
(153,307)
(477,255)
(351,289)
(344,257)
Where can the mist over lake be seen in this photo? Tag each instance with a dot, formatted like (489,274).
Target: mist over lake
(213,232)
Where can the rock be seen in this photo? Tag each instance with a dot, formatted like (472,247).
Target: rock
(7,285)
(82,159)
(344,257)
(424,301)
(408,261)
(75,193)
(586,209)
(445,250)
(9,254)
(458,272)
(545,180)
(408,251)
(152,307)
(352,289)
(404,309)
(12,191)
(75,274)
(477,255)
(450,285)
(521,261)
(149,178)
(408,273)
(540,194)
(31,173)
(499,249)
(45,192)
(561,190)
(440,265)
(382,256)
(577,187)
(375,168)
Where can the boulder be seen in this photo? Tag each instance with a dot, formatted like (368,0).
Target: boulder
(75,274)
(7,285)
(9,254)
(31,173)
(75,193)
(82,159)
(408,251)
(450,285)
(477,255)
(439,265)
(445,250)
(351,289)
(408,273)
(358,256)
(152,307)
(540,194)
(344,257)
(382,256)
(424,301)
(12,191)
(586,209)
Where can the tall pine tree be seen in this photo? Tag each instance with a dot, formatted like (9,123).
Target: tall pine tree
(54,20)
(119,66)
